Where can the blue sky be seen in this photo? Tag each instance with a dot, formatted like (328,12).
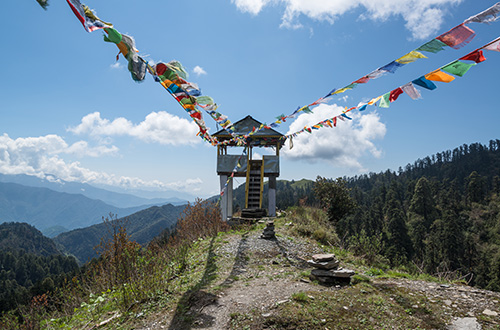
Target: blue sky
(68,109)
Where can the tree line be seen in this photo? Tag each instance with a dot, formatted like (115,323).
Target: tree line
(440,215)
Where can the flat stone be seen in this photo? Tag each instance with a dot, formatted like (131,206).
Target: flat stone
(464,323)
(489,312)
(343,273)
(324,265)
(323,257)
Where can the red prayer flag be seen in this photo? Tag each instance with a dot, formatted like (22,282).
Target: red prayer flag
(395,94)
(363,80)
(457,37)
(476,56)
(334,121)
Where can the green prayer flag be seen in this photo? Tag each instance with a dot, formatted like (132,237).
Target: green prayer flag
(205,100)
(458,68)
(432,46)
(113,36)
(384,101)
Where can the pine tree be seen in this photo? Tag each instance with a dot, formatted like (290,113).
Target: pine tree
(421,214)
(399,248)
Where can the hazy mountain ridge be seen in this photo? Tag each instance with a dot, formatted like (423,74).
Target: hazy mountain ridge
(45,208)
(110,196)
(142,227)
(22,236)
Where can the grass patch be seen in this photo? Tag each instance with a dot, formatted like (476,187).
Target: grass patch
(359,307)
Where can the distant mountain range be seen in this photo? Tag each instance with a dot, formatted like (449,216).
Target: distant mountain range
(46,209)
(110,195)
(142,227)
(54,206)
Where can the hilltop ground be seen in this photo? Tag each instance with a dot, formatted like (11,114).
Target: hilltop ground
(246,282)
(238,280)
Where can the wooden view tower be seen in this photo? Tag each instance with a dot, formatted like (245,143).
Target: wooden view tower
(253,170)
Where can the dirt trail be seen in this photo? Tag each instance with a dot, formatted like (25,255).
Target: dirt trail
(255,276)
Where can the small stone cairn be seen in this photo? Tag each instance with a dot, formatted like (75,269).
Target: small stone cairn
(268,232)
(327,269)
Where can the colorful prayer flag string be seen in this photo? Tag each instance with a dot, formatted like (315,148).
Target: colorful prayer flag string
(170,75)
(455,38)
(442,74)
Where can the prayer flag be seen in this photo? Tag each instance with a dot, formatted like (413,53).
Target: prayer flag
(331,93)
(341,90)
(391,67)
(433,46)
(410,57)
(77,9)
(363,107)
(384,100)
(495,46)
(457,68)
(112,36)
(425,83)
(438,75)
(136,66)
(375,100)
(393,96)
(412,92)
(43,3)
(345,116)
(375,74)
(363,80)
(476,56)
(487,16)
(457,37)
(334,119)
(205,100)
(88,19)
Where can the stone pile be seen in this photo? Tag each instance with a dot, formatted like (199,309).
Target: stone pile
(327,269)
(268,232)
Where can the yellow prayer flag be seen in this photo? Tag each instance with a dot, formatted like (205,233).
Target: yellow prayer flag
(373,101)
(338,91)
(438,75)
(410,57)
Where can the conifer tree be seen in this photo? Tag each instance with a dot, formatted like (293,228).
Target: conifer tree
(399,248)
(421,214)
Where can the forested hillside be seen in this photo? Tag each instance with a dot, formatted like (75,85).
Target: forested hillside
(440,215)
(30,265)
(289,193)
(142,227)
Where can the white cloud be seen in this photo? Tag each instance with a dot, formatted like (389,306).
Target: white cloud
(250,6)
(42,157)
(159,127)
(116,65)
(192,185)
(343,145)
(198,70)
(423,18)
(81,149)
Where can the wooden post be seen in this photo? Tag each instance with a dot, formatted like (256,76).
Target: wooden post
(223,201)
(272,196)
(229,194)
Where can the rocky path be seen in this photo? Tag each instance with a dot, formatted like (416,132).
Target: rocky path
(256,275)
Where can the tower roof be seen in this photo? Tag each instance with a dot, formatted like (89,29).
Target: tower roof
(245,126)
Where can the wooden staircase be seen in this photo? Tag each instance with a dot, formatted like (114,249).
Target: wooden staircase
(254,189)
